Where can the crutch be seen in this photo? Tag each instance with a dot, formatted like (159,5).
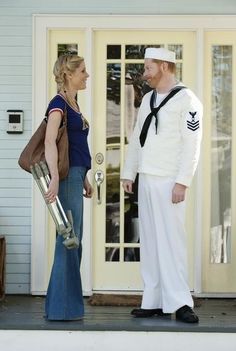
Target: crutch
(64,225)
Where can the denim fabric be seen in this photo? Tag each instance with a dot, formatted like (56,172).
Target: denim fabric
(64,300)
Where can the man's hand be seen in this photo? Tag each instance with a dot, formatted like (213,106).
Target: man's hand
(127,185)
(178,193)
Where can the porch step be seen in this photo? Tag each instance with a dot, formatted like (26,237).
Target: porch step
(32,340)
(23,328)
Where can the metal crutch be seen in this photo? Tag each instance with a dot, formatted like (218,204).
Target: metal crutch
(71,240)
(64,226)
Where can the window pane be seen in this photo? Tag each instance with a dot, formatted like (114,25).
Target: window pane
(179,71)
(135,89)
(113,103)
(178,49)
(112,254)
(131,254)
(113,52)
(113,195)
(221,153)
(131,222)
(137,51)
(67,48)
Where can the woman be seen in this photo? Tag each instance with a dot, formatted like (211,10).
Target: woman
(64,299)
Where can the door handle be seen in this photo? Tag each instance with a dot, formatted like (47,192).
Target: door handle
(99,178)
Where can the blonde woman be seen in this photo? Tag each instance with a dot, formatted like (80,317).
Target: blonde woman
(64,300)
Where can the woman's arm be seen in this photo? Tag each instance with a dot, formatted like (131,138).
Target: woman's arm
(51,153)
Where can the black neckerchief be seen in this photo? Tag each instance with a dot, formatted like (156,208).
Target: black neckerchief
(154,112)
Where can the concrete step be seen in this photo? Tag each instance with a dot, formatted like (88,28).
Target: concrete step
(46,340)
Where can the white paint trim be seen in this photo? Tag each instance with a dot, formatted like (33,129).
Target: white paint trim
(41,24)
(199,173)
(137,22)
(216,295)
(39,259)
(86,266)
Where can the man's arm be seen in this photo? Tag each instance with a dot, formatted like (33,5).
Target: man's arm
(191,132)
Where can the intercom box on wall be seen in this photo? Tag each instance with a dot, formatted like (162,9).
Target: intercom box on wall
(15,121)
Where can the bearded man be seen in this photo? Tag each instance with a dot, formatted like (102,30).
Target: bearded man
(164,149)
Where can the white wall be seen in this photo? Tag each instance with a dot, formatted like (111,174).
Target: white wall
(15,93)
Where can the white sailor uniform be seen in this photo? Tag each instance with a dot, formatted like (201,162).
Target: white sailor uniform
(169,155)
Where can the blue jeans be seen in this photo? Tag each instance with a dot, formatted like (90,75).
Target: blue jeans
(64,300)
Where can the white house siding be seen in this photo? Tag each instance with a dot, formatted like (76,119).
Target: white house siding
(15,93)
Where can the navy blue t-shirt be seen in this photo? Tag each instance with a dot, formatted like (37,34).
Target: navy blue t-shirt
(79,154)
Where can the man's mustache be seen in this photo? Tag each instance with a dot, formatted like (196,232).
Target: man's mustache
(146,76)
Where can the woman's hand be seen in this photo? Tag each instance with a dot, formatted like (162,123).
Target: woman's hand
(88,188)
(52,192)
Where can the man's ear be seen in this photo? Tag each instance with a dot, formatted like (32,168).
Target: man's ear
(164,66)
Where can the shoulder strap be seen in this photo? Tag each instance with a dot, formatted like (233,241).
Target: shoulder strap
(64,117)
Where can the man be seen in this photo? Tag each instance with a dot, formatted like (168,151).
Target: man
(164,149)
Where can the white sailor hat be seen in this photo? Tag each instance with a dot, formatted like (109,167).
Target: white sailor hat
(160,54)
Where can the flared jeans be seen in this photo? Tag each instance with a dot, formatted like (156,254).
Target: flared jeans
(64,300)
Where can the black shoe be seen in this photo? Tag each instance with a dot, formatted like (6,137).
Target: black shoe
(187,315)
(143,313)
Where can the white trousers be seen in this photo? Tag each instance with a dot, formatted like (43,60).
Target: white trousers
(163,247)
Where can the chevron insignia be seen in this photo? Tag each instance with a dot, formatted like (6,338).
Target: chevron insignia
(193,125)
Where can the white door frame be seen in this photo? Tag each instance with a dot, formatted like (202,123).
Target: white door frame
(42,23)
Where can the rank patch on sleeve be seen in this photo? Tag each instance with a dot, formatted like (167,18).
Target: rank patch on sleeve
(193,124)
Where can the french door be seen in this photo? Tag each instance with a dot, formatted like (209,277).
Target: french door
(118,90)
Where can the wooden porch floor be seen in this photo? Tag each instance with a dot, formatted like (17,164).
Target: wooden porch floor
(27,313)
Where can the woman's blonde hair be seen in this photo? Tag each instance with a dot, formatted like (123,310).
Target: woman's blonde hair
(66,63)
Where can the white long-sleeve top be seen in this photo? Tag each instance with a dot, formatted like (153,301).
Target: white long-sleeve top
(174,150)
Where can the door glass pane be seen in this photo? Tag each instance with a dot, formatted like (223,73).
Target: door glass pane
(179,71)
(113,102)
(113,194)
(113,159)
(112,254)
(178,49)
(113,52)
(67,49)
(135,89)
(131,254)
(221,153)
(137,51)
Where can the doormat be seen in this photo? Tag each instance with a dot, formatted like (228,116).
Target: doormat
(114,300)
(123,300)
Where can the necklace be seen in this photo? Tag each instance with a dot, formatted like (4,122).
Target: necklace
(85,122)
(74,104)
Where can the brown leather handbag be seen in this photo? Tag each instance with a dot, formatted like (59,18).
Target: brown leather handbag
(34,152)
